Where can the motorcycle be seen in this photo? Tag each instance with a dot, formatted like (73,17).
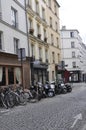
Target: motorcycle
(61,88)
(68,86)
(49,89)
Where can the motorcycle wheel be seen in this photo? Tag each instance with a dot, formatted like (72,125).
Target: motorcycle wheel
(23,99)
(64,91)
(50,94)
(70,89)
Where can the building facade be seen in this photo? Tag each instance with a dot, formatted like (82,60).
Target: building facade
(44,38)
(39,48)
(13,35)
(73,53)
(53,37)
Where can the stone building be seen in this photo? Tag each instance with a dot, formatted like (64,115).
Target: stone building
(53,37)
(73,53)
(44,38)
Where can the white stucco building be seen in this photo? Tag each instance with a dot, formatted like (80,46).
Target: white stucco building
(13,22)
(13,35)
(73,53)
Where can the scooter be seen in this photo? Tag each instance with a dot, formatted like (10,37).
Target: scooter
(68,86)
(49,89)
(61,88)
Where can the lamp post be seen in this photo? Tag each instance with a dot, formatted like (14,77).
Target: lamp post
(32,70)
(21,58)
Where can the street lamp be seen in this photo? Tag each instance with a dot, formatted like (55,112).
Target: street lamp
(21,58)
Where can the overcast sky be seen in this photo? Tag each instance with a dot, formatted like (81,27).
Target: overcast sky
(73,15)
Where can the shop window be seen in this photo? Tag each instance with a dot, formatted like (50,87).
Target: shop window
(10,75)
(2,76)
(18,75)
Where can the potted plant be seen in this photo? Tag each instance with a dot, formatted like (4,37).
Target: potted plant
(39,36)
(31,31)
(45,39)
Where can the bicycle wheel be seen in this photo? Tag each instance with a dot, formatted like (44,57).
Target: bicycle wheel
(10,100)
(4,102)
(23,99)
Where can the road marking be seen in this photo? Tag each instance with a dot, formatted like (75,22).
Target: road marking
(77,117)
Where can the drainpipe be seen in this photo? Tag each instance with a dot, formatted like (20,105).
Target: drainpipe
(27,30)
(27,38)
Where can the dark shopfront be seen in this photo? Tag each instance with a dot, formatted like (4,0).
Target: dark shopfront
(63,74)
(39,73)
(70,76)
(76,76)
(11,71)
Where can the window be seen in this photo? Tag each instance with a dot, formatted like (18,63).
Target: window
(30,24)
(38,29)
(73,54)
(57,40)
(53,76)
(74,64)
(0,40)
(46,55)
(50,22)
(44,33)
(14,18)
(58,55)
(55,9)
(16,45)
(52,40)
(40,54)
(56,27)
(18,75)
(32,50)
(43,14)
(49,3)
(72,45)
(71,34)
(37,7)
(10,75)
(30,3)
(2,76)
(53,57)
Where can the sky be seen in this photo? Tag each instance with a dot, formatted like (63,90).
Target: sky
(72,14)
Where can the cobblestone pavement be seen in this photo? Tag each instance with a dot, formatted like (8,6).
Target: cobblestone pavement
(55,113)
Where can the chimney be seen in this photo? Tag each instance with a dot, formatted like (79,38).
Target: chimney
(63,27)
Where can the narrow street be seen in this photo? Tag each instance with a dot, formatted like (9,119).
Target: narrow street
(62,112)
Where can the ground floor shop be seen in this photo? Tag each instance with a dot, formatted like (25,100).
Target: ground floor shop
(39,73)
(69,76)
(76,76)
(11,71)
